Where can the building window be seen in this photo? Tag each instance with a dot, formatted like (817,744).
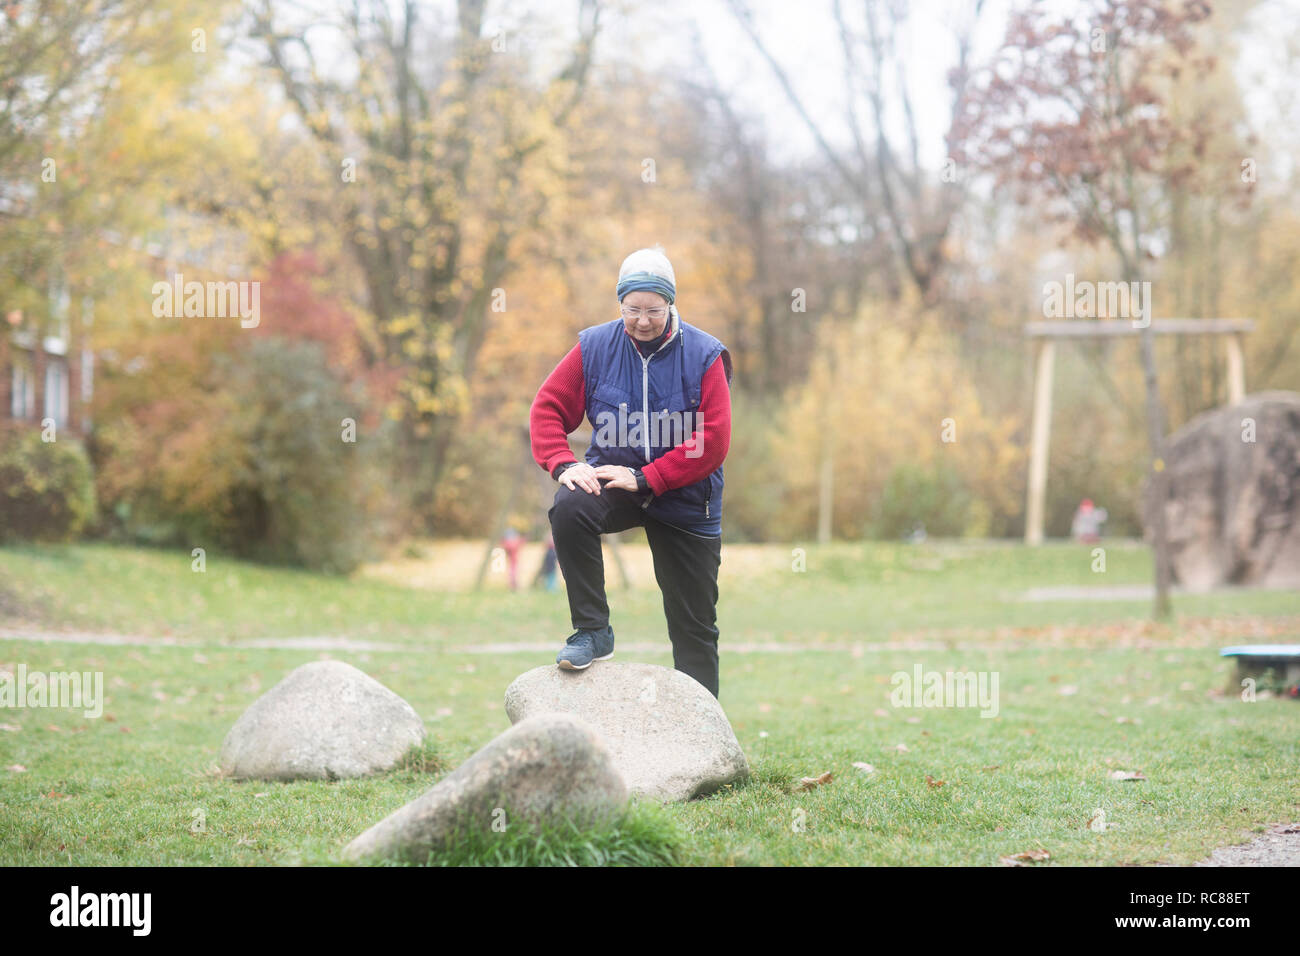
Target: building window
(22,391)
(56,391)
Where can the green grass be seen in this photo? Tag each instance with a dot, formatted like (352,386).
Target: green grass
(857,591)
(643,835)
(1086,687)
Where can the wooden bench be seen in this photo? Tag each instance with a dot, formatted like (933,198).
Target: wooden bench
(1254,660)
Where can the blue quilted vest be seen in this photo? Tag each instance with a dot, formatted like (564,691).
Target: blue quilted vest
(626,392)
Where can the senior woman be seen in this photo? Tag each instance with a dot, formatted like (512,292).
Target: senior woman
(659,403)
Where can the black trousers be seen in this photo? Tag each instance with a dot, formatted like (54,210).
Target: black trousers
(686,567)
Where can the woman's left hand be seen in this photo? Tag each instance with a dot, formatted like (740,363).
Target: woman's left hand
(617,476)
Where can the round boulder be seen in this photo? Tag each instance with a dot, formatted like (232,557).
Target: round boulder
(669,736)
(325,721)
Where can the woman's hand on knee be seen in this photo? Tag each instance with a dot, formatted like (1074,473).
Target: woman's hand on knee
(618,476)
(583,476)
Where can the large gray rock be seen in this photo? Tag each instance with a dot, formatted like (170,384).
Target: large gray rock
(1233,511)
(669,735)
(325,721)
(553,767)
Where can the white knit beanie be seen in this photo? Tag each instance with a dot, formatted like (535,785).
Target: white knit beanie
(647,270)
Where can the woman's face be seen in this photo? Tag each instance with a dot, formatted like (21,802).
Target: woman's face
(641,325)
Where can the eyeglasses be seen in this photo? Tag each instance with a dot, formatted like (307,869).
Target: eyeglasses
(654,315)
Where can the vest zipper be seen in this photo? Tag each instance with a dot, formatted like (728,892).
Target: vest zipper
(645,400)
(645,394)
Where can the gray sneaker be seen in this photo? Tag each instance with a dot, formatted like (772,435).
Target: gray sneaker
(585,646)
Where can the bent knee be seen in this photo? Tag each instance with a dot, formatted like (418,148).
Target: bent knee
(570,504)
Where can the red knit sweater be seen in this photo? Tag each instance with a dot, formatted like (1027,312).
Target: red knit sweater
(561,403)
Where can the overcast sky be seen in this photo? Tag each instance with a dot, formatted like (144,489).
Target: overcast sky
(803,37)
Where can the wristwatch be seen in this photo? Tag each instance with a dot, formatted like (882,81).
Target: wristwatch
(560,469)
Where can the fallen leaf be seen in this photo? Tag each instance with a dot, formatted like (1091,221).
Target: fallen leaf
(881,712)
(1069,690)
(992,768)
(901,748)
(11,728)
(808,783)
(865,767)
(1097,822)
(1021,859)
(933,784)
(16,768)
(55,795)
(1127,775)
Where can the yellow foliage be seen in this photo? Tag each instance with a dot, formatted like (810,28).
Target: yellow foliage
(879,397)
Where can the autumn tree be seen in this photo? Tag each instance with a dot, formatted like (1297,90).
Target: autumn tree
(800,245)
(88,95)
(909,207)
(443,140)
(1076,112)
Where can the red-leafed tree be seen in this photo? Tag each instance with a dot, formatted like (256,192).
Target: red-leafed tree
(294,305)
(1073,115)
(269,442)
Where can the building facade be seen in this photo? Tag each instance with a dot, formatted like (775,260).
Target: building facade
(47,368)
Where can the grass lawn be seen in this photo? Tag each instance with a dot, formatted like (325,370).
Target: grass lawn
(1086,687)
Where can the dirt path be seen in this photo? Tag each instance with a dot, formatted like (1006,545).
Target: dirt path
(1133,592)
(41,636)
(1280,846)
(322,643)
(1130,635)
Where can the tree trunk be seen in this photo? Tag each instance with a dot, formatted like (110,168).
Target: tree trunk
(1159,483)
